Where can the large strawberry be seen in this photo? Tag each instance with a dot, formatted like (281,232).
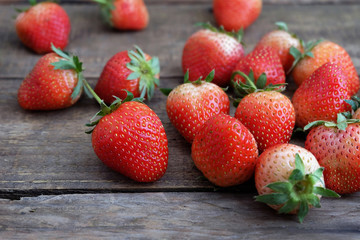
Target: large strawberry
(224,151)
(261,60)
(209,49)
(134,71)
(322,96)
(318,53)
(42,24)
(236,14)
(289,179)
(336,145)
(125,14)
(191,104)
(268,114)
(54,82)
(281,40)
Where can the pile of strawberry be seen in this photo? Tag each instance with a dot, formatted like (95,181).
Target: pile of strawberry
(129,137)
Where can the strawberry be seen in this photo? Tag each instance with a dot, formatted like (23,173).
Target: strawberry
(261,60)
(268,114)
(289,179)
(191,104)
(53,83)
(318,53)
(130,138)
(134,71)
(125,14)
(281,40)
(236,14)
(224,151)
(322,96)
(336,145)
(209,49)
(42,24)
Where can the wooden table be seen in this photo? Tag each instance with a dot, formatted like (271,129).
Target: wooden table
(52,185)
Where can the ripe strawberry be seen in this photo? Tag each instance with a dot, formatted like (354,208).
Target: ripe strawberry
(125,14)
(337,148)
(281,40)
(236,14)
(318,53)
(261,60)
(289,179)
(54,82)
(268,114)
(224,151)
(134,71)
(210,49)
(42,24)
(130,138)
(191,104)
(322,96)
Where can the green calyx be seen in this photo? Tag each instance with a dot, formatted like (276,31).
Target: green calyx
(342,122)
(71,62)
(237,35)
(299,192)
(144,70)
(107,6)
(32,3)
(283,27)
(354,102)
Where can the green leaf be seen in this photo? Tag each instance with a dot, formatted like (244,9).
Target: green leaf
(303,211)
(313,200)
(186,77)
(282,26)
(295,52)
(281,187)
(166,91)
(289,206)
(273,198)
(261,81)
(155,65)
(77,89)
(210,76)
(32,2)
(63,65)
(133,76)
(59,52)
(325,192)
(318,174)
(299,164)
(314,124)
(296,175)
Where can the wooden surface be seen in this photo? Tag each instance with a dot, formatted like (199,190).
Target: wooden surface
(48,153)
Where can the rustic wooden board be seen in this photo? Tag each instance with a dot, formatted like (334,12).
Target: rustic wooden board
(172,216)
(169,28)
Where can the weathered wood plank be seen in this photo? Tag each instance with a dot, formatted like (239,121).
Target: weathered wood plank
(172,216)
(169,28)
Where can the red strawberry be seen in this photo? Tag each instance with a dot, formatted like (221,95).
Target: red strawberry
(125,14)
(268,114)
(318,53)
(281,40)
(130,139)
(337,148)
(54,83)
(224,151)
(134,71)
(322,96)
(191,104)
(210,49)
(236,14)
(289,179)
(42,24)
(261,60)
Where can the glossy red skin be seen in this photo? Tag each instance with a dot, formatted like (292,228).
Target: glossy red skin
(205,51)
(190,105)
(130,15)
(261,60)
(47,89)
(338,152)
(236,14)
(225,151)
(132,141)
(270,117)
(322,96)
(43,24)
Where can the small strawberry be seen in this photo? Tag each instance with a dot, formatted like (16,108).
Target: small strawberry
(224,151)
(322,96)
(134,71)
(268,114)
(125,14)
(336,145)
(281,40)
(261,60)
(53,83)
(236,14)
(318,53)
(289,179)
(209,49)
(42,24)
